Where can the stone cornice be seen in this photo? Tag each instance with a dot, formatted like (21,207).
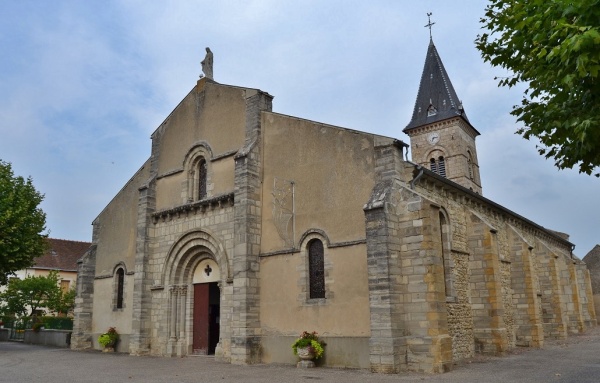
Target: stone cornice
(459,121)
(332,245)
(217,202)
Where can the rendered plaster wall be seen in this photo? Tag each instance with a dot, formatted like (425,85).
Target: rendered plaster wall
(115,227)
(332,173)
(340,352)
(212,113)
(212,116)
(105,312)
(223,174)
(287,310)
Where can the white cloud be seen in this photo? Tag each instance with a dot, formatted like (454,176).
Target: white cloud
(86,83)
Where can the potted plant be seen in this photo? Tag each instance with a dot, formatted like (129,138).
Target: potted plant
(308,347)
(109,339)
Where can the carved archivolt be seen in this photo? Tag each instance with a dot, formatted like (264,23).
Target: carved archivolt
(188,251)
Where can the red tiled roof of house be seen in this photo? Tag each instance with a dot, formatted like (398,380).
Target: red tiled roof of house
(62,254)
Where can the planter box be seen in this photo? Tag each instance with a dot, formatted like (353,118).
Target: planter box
(56,338)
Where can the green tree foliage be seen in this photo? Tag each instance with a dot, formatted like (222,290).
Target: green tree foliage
(61,302)
(554,47)
(24,296)
(21,223)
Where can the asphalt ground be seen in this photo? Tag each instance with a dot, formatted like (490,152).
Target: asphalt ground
(576,359)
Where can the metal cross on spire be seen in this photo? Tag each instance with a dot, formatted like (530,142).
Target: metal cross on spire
(429,24)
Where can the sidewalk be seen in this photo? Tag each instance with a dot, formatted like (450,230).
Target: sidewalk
(574,360)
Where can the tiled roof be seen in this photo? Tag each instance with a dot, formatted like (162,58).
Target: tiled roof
(62,255)
(436,100)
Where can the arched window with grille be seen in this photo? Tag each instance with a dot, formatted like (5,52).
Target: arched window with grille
(120,276)
(200,179)
(197,166)
(316,269)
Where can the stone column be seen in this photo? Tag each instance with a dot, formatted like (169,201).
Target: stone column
(429,346)
(173,314)
(82,322)
(387,343)
(576,324)
(181,321)
(528,321)
(141,313)
(589,293)
(555,323)
(245,339)
(489,329)
(182,310)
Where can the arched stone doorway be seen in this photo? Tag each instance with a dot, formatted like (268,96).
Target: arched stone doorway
(195,270)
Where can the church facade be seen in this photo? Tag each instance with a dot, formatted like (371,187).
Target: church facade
(246,227)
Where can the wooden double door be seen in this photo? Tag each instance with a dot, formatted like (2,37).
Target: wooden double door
(207,298)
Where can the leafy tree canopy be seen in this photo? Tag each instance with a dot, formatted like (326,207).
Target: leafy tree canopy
(24,296)
(21,223)
(554,47)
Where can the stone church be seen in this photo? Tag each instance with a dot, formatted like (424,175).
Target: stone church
(246,227)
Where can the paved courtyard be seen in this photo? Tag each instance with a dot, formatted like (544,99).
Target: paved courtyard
(574,360)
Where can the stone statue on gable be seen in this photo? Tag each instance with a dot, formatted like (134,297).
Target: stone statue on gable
(207,64)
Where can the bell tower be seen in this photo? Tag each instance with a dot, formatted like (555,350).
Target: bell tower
(441,137)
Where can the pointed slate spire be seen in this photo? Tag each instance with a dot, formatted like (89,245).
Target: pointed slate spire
(437,99)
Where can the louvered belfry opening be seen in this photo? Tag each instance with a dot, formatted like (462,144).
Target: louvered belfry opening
(438,166)
(441,166)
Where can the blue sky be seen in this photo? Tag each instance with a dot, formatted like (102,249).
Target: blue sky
(83,84)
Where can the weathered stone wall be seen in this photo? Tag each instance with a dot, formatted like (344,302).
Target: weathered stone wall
(505,281)
(387,288)
(527,280)
(204,225)
(525,290)
(460,316)
(437,271)
(404,243)
(458,140)
(81,337)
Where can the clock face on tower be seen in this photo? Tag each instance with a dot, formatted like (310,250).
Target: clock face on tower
(433,138)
